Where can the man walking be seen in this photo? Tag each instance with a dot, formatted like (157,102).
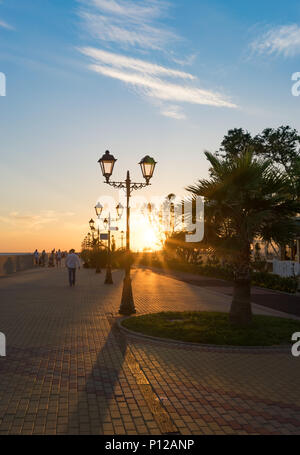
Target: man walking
(72,262)
(43,258)
(36,257)
(58,258)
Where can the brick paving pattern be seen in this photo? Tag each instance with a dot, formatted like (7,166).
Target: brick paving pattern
(280,301)
(69,370)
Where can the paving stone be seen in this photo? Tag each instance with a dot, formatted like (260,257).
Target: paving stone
(66,371)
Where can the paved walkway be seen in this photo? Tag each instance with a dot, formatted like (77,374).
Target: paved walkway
(69,370)
(280,301)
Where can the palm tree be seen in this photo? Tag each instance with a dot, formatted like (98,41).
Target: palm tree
(245,199)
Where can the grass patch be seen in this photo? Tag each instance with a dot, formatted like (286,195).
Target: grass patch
(214,328)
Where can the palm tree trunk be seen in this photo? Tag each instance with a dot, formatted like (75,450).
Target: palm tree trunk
(240,311)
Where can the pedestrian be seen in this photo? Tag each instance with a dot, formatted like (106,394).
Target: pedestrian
(43,258)
(58,257)
(72,262)
(51,259)
(36,257)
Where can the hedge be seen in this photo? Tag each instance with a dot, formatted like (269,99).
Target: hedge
(261,279)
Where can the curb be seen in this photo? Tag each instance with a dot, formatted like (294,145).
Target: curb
(284,349)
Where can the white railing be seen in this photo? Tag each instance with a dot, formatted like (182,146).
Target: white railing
(286,268)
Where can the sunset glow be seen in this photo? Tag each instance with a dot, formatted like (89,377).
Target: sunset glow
(145,237)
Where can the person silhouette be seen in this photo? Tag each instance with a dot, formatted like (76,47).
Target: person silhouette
(72,262)
(36,257)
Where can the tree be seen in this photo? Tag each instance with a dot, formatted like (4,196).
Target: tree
(281,145)
(246,198)
(234,144)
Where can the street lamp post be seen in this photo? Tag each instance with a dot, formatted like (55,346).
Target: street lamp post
(89,242)
(109,228)
(96,242)
(147,164)
(122,239)
(108,278)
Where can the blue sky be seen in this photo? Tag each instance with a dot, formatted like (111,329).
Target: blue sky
(138,77)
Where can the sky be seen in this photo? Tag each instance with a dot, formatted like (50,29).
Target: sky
(164,78)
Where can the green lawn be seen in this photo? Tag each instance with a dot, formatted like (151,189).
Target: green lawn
(214,328)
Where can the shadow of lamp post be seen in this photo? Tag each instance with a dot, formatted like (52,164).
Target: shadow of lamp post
(107,163)
(108,227)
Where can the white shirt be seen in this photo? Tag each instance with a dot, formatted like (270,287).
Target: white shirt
(72,261)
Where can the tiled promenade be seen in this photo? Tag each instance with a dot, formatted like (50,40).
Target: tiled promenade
(69,370)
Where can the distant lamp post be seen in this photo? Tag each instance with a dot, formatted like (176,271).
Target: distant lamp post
(95,242)
(105,223)
(122,239)
(108,227)
(92,224)
(113,243)
(89,239)
(147,164)
(120,210)
(98,209)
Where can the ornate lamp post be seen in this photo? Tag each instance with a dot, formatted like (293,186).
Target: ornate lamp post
(108,227)
(122,239)
(96,241)
(98,209)
(92,224)
(93,229)
(89,242)
(147,164)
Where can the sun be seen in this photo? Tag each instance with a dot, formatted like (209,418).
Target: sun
(145,236)
(150,237)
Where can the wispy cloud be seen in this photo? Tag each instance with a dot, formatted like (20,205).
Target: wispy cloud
(145,10)
(121,61)
(34,221)
(278,40)
(137,25)
(5,25)
(173,112)
(143,75)
(126,22)
(187,60)
(164,90)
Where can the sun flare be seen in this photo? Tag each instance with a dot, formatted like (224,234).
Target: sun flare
(146,237)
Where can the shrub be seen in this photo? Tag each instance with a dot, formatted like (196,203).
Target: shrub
(94,258)
(120,257)
(275,282)
(214,270)
(98,258)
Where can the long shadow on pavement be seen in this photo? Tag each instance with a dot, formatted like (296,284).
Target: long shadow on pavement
(92,413)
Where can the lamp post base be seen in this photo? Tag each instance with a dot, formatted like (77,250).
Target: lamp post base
(108,277)
(127,303)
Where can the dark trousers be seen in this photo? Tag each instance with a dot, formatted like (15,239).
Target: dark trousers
(72,276)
